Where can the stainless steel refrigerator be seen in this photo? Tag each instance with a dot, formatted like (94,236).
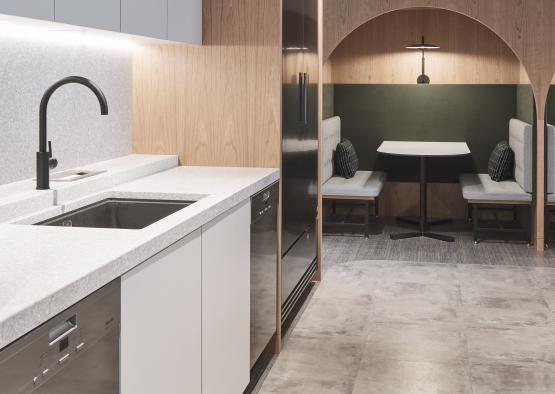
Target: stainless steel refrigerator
(299,148)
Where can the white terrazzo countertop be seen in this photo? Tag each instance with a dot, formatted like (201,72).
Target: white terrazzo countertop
(22,198)
(44,270)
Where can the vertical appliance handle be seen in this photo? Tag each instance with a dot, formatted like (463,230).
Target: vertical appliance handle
(301,98)
(305,99)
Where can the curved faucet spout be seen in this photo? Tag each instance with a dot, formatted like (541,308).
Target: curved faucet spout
(44,156)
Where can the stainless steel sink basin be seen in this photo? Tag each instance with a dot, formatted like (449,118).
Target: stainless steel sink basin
(130,214)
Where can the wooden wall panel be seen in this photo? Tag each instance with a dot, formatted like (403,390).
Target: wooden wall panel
(401,199)
(216,104)
(470,53)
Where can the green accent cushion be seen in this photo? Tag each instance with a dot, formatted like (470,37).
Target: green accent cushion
(346,159)
(501,162)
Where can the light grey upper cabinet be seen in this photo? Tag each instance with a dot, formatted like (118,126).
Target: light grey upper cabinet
(185,21)
(176,20)
(99,14)
(38,9)
(145,17)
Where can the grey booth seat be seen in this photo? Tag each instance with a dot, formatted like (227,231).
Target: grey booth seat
(550,184)
(480,190)
(365,186)
(550,175)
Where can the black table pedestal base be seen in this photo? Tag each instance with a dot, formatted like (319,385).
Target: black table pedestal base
(423,221)
(430,223)
(440,237)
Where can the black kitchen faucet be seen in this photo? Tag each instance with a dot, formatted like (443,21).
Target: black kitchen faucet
(45,161)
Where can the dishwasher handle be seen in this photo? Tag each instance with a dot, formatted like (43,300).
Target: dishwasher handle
(62,330)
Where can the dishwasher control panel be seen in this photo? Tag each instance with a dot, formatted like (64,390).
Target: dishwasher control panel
(35,362)
(264,202)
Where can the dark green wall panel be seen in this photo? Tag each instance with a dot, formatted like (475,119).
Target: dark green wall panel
(525,103)
(477,114)
(328,110)
(550,107)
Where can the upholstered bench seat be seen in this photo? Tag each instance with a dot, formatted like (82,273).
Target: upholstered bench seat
(482,193)
(550,165)
(480,187)
(365,184)
(362,189)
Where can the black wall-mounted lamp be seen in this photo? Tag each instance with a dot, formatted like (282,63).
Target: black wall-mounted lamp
(423,79)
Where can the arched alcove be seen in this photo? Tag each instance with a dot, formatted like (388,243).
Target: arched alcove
(477,85)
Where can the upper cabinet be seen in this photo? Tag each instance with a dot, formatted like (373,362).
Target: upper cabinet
(185,21)
(99,14)
(38,9)
(176,20)
(145,17)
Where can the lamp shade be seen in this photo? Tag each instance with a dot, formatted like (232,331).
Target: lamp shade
(423,46)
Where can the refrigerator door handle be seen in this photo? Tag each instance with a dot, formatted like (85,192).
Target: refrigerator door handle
(305,99)
(301,98)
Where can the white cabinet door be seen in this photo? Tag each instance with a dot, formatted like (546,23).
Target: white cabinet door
(145,17)
(161,322)
(226,302)
(185,21)
(38,9)
(99,14)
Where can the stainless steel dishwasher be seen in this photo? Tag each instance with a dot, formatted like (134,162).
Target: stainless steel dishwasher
(263,274)
(75,352)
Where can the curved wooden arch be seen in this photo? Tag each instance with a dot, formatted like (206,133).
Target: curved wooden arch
(524,25)
(470,52)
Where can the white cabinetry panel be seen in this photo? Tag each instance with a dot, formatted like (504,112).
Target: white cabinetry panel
(161,322)
(226,302)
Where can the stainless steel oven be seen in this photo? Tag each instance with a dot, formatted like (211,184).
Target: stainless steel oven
(75,352)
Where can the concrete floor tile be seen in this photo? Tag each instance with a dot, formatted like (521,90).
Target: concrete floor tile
(413,301)
(315,364)
(549,297)
(431,342)
(490,277)
(493,377)
(410,377)
(516,307)
(544,277)
(522,344)
(336,316)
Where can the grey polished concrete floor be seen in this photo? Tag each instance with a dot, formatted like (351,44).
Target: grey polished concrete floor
(415,326)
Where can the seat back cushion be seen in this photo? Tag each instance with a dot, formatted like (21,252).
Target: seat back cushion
(346,159)
(332,137)
(520,140)
(501,162)
(550,159)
